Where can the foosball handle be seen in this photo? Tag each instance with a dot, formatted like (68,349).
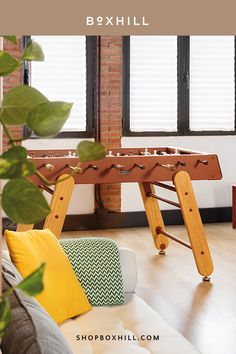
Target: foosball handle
(93,167)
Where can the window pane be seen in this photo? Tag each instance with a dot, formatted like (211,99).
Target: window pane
(153,83)
(62,76)
(212,88)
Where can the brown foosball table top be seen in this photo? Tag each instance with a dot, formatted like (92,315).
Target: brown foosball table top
(128,165)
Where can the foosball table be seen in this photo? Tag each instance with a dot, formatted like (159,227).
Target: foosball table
(149,167)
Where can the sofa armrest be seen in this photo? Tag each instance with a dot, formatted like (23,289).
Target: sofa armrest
(128,269)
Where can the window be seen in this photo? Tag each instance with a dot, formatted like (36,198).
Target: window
(179,85)
(212,92)
(153,86)
(67,75)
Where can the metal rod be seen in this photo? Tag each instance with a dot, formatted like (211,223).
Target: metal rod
(118,167)
(204,162)
(153,195)
(94,167)
(48,167)
(46,188)
(163,185)
(159,230)
(142,167)
(179,163)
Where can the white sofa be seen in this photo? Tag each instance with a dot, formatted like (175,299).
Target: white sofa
(124,329)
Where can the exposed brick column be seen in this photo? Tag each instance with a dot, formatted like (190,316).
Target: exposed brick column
(111,110)
(11,81)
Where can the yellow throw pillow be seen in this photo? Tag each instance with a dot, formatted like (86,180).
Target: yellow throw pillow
(63,296)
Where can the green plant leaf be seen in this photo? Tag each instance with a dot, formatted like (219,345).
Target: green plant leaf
(15,169)
(14,164)
(23,202)
(18,102)
(5,315)
(32,285)
(16,152)
(33,52)
(48,118)
(8,63)
(90,151)
(12,39)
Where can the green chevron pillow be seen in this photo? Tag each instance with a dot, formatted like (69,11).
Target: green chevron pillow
(96,263)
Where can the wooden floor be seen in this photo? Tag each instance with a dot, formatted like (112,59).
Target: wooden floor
(205,313)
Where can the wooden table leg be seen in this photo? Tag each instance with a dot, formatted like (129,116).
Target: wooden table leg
(59,205)
(24,227)
(193,223)
(154,216)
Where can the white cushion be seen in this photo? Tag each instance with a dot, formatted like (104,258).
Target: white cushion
(128,269)
(131,320)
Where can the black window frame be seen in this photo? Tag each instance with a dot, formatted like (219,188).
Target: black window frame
(183,70)
(91,47)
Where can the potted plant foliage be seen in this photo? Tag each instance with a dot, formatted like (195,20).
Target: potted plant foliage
(21,200)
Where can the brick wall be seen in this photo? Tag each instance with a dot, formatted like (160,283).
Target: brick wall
(11,81)
(111,110)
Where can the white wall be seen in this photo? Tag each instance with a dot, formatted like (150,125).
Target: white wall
(209,193)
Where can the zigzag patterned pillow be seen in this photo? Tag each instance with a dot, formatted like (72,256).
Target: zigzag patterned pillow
(96,263)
